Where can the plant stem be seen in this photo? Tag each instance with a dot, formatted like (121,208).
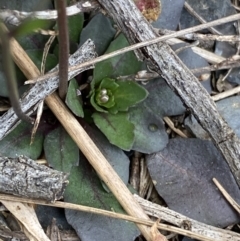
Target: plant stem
(63,47)
(10,74)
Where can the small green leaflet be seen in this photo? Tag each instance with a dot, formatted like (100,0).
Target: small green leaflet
(74,101)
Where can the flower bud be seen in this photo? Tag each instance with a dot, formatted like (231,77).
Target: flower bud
(103,92)
(104,98)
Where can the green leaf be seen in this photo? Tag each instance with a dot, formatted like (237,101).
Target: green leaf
(124,64)
(120,95)
(29,26)
(162,101)
(32,41)
(91,31)
(75,25)
(85,188)
(128,93)
(73,101)
(117,128)
(36,57)
(17,142)
(108,83)
(61,151)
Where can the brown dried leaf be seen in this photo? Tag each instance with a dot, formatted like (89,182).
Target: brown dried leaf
(150,9)
(28,218)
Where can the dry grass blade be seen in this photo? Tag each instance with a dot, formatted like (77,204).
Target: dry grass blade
(191,11)
(112,215)
(227,196)
(171,125)
(28,218)
(149,42)
(41,104)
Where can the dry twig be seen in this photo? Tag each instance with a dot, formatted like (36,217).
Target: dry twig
(206,54)
(195,14)
(198,230)
(209,232)
(227,196)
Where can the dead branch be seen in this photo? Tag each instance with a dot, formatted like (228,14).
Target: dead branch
(24,177)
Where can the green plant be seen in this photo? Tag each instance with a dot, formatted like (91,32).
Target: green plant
(113,95)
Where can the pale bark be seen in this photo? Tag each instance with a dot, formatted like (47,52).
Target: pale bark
(25,178)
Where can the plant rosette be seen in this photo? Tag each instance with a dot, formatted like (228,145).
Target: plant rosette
(112,96)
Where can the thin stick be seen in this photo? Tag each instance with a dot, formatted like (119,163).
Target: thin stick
(227,196)
(72,206)
(226,94)
(203,37)
(148,42)
(172,127)
(199,18)
(179,220)
(226,64)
